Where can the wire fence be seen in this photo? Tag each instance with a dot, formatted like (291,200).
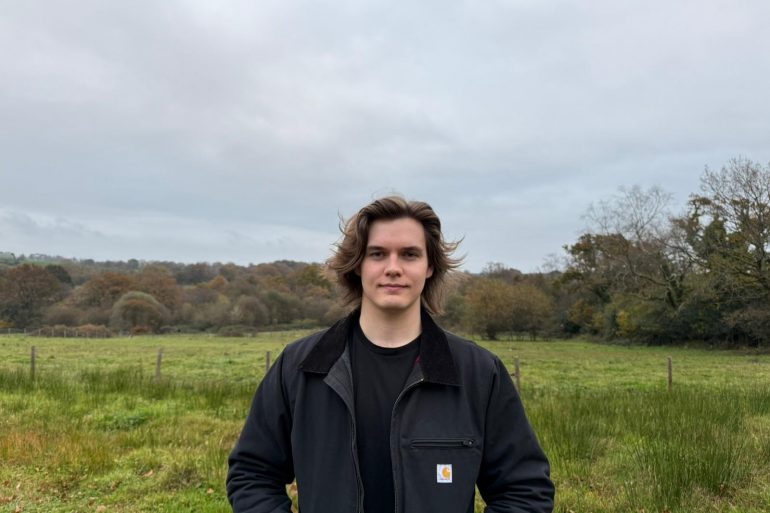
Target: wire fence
(66,332)
(516,374)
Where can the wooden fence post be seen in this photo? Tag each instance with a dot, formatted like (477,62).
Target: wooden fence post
(32,363)
(517,373)
(670,374)
(267,361)
(157,364)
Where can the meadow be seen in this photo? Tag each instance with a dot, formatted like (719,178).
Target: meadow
(95,431)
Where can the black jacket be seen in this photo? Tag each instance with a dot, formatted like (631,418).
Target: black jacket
(457,423)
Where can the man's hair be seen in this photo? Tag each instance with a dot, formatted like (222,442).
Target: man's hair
(350,251)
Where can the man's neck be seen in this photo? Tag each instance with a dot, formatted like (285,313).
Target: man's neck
(390,329)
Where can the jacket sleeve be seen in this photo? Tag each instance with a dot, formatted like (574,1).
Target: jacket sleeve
(260,465)
(515,474)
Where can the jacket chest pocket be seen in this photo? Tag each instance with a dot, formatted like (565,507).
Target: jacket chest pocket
(443,443)
(439,474)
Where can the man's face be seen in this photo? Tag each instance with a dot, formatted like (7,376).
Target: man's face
(395,266)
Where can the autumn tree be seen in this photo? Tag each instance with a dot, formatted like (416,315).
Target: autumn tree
(63,312)
(282,307)
(204,307)
(160,283)
(309,276)
(25,291)
(489,307)
(455,311)
(104,289)
(60,273)
(250,311)
(531,309)
(193,274)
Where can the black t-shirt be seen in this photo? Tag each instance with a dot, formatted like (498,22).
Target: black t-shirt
(379,375)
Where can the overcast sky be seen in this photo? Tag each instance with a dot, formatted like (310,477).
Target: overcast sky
(239,131)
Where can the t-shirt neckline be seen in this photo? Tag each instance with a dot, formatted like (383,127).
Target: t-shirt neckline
(387,351)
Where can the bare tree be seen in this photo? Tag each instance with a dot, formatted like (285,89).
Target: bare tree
(634,238)
(638,215)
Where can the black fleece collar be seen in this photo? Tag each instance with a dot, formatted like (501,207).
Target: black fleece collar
(435,359)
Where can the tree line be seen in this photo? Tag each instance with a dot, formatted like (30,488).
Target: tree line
(644,273)
(638,272)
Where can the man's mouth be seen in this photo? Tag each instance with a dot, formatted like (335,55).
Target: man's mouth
(392,286)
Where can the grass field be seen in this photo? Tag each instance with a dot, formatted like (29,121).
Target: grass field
(94,431)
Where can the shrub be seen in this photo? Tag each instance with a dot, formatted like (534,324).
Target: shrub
(140,330)
(60,330)
(93,331)
(138,310)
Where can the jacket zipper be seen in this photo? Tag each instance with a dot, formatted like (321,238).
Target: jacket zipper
(354,450)
(442,443)
(359,485)
(396,486)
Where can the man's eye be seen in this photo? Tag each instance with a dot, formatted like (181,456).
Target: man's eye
(375,254)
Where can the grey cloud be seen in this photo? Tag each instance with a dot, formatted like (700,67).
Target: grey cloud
(160,237)
(509,117)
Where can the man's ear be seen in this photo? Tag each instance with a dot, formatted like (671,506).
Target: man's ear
(430,272)
(358,270)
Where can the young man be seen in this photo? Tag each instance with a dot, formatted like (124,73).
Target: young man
(384,411)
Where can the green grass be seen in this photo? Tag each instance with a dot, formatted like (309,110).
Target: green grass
(95,431)
(579,364)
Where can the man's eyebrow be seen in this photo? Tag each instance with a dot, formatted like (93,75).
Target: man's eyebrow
(407,248)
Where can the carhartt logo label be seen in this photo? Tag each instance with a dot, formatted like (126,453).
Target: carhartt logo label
(443,473)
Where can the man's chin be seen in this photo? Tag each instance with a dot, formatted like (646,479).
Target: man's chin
(395,307)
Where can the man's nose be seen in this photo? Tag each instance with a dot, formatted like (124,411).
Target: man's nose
(394,266)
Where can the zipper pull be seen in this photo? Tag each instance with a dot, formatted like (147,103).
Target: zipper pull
(468,443)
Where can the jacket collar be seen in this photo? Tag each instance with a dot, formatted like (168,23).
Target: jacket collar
(435,358)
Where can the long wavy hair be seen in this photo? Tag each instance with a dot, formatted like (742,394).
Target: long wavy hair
(351,249)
